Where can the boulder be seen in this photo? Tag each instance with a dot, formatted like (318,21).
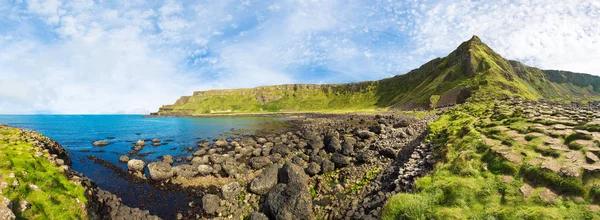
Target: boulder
(327,166)
(261,140)
(200,160)
(348,146)
(265,180)
(289,201)
(135,165)
(332,143)
(365,157)
(204,169)
(185,170)
(140,143)
(124,159)
(231,190)
(291,172)
(168,159)
(221,143)
(340,160)
(160,171)
(258,216)
(248,142)
(313,169)
(210,203)
(217,159)
(259,162)
(364,134)
(100,143)
(281,149)
(200,152)
(155,140)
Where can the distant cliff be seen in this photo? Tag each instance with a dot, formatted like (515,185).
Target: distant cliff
(473,69)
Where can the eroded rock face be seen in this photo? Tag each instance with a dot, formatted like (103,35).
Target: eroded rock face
(289,201)
(265,180)
(160,171)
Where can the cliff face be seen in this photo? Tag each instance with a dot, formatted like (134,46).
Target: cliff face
(473,69)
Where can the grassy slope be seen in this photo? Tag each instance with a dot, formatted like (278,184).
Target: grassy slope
(467,183)
(57,197)
(472,65)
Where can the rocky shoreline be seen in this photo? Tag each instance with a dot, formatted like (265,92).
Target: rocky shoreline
(330,166)
(340,166)
(101,204)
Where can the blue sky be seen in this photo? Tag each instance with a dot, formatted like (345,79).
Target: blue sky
(128,56)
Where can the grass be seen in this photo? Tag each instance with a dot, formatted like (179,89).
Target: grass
(58,196)
(466,182)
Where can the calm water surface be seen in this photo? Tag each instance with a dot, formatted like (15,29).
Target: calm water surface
(77,132)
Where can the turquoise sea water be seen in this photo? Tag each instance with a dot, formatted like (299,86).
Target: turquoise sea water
(77,132)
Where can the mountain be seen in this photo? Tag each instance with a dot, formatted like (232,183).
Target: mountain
(472,70)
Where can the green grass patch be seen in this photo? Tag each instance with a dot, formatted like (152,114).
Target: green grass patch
(58,196)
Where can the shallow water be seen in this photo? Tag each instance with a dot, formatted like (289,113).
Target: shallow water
(77,132)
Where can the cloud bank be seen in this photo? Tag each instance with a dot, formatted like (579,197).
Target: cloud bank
(86,56)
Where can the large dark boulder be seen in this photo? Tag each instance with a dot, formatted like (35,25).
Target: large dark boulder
(348,146)
(313,169)
(289,201)
(340,160)
(327,166)
(291,172)
(265,180)
(333,143)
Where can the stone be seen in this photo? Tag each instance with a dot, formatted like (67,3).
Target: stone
(289,201)
(100,143)
(327,166)
(6,212)
(217,159)
(261,140)
(186,170)
(591,157)
(231,190)
(506,179)
(221,143)
(340,160)
(291,172)
(33,187)
(332,143)
(140,143)
(204,169)
(160,171)
(124,159)
(135,165)
(364,134)
(526,190)
(265,180)
(248,142)
(210,203)
(24,205)
(155,140)
(348,146)
(168,159)
(313,169)
(258,216)
(60,162)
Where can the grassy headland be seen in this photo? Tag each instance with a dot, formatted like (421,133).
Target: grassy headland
(28,177)
(473,68)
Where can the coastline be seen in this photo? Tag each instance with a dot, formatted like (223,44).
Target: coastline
(100,204)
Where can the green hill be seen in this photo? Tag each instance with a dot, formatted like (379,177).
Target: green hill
(472,70)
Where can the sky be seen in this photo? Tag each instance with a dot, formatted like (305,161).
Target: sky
(132,56)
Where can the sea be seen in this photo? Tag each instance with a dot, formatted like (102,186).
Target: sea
(76,133)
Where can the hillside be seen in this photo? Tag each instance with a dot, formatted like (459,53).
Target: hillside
(473,69)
